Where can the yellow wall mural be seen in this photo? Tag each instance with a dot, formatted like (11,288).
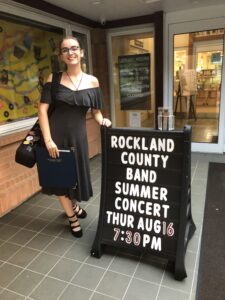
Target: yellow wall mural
(27,55)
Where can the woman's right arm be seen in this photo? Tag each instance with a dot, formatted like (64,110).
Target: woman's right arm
(45,129)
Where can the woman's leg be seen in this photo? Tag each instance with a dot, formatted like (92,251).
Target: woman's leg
(67,205)
(80,212)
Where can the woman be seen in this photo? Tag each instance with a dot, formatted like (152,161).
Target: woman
(66,127)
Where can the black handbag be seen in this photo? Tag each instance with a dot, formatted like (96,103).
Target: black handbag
(25,153)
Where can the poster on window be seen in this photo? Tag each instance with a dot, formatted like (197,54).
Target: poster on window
(188,82)
(27,55)
(134,81)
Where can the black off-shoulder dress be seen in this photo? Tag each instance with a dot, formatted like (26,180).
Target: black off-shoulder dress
(68,130)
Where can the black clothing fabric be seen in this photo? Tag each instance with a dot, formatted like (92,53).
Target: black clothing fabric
(68,130)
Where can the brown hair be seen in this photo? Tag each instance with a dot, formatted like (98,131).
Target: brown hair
(69,37)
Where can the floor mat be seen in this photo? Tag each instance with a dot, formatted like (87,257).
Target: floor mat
(211,276)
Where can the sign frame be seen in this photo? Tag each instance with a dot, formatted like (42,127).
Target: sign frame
(185,225)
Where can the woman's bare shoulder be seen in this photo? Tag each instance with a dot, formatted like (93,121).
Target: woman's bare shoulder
(91,80)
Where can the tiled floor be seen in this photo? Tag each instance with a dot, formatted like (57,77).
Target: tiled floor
(40,259)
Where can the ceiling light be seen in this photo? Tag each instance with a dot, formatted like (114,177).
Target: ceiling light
(150,1)
(96,2)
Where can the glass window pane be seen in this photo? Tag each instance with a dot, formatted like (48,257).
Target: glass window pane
(29,52)
(133,79)
(83,41)
(198,59)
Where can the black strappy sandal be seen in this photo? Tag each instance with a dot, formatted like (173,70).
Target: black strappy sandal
(75,224)
(80,212)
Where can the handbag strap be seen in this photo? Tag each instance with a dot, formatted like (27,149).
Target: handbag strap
(56,77)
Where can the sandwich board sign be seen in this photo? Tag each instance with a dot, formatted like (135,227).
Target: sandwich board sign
(146,193)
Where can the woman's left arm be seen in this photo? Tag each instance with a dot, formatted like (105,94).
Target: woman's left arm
(97,114)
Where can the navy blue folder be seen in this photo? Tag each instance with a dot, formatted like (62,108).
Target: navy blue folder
(56,172)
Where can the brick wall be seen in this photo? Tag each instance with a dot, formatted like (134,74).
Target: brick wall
(17,183)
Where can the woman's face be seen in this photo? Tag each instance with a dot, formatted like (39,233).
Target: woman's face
(70,52)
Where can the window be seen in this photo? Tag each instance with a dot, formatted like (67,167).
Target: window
(133,79)
(198,58)
(82,37)
(28,54)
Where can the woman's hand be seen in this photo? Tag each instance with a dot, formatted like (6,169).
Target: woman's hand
(52,149)
(106,122)
(99,118)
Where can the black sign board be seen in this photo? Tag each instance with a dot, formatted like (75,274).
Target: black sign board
(146,193)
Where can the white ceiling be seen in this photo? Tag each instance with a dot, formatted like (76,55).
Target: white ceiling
(118,9)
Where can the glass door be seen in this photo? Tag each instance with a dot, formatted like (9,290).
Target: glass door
(196,86)
(198,59)
(132,78)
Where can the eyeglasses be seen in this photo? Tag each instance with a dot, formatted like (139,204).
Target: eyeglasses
(72,50)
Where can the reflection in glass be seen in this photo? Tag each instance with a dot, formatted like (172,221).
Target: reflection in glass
(198,59)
